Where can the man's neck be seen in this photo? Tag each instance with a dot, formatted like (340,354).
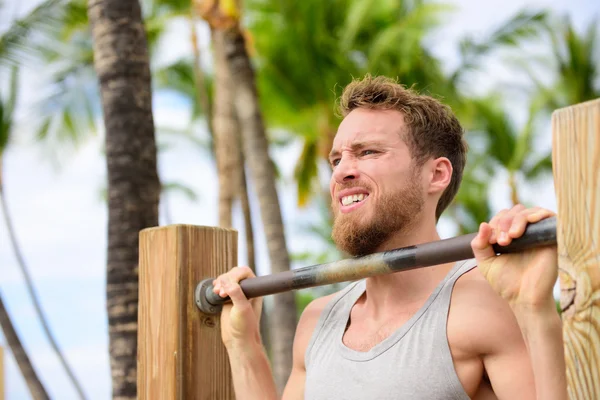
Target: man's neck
(387,293)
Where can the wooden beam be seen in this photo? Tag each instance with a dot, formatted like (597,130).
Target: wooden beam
(180,352)
(576,166)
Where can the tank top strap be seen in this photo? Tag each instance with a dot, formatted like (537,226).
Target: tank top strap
(333,314)
(463,268)
(442,306)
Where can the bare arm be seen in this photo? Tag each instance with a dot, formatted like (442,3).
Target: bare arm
(483,327)
(251,371)
(294,389)
(520,351)
(525,280)
(542,330)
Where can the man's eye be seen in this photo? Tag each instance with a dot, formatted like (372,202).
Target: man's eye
(335,162)
(368,152)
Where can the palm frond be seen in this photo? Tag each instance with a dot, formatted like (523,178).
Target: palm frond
(541,167)
(173,187)
(41,22)
(493,119)
(7,109)
(522,26)
(306,171)
(523,142)
(358,13)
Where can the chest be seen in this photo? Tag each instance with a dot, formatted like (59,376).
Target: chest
(382,362)
(362,333)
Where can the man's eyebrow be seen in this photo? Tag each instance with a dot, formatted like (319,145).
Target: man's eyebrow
(357,146)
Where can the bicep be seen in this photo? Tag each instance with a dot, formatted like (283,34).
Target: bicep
(510,373)
(494,337)
(506,361)
(294,389)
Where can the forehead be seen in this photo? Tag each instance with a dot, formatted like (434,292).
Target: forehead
(362,125)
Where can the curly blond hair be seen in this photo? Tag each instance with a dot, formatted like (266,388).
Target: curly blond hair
(432,129)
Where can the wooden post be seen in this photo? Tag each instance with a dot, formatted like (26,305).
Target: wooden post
(576,165)
(180,352)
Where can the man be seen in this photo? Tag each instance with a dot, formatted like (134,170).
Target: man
(484,329)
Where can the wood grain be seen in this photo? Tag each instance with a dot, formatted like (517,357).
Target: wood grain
(576,165)
(180,353)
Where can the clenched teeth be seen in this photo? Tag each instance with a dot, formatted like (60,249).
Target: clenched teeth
(355,198)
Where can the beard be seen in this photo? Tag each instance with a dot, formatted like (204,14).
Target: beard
(359,235)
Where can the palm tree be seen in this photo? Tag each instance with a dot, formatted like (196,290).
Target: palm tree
(573,64)
(224,19)
(337,40)
(35,386)
(508,147)
(121,61)
(15,45)
(7,107)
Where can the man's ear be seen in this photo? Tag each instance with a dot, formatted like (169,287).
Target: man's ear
(440,175)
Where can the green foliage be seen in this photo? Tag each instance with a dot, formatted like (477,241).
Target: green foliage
(576,60)
(8,101)
(521,27)
(15,46)
(307,51)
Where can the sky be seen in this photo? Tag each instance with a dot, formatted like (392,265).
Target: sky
(60,217)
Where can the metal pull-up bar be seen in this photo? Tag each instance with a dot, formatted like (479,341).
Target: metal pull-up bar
(542,233)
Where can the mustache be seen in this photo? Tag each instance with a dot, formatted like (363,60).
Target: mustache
(340,187)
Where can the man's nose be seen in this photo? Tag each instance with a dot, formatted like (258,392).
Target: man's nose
(346,170)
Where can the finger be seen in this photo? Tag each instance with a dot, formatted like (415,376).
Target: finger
(235,274)
(240,273)
(482,249)
(539,214)
(518,225)
(235,293)
(505,223)
(530,215)
(494,223)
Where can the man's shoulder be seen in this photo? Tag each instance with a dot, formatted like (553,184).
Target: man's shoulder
(306,326)
(312,312)
(478,315)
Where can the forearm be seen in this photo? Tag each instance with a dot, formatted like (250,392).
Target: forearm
(542,331)
(251,373)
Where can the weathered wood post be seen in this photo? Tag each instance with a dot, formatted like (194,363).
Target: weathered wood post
(576,165)
(180,353)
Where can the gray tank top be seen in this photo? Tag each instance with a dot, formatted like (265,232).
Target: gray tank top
(413,363)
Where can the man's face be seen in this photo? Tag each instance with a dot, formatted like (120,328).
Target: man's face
(376,188)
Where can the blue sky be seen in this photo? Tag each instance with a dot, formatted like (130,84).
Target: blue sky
(60,218)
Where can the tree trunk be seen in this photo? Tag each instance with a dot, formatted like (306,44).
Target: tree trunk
(202,96)
(225,126)
(37,390)
(514,192)
(122,64)
(247,212)
(250,250)
(283,319)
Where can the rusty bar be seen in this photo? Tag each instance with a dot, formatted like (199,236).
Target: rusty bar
(423,255)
